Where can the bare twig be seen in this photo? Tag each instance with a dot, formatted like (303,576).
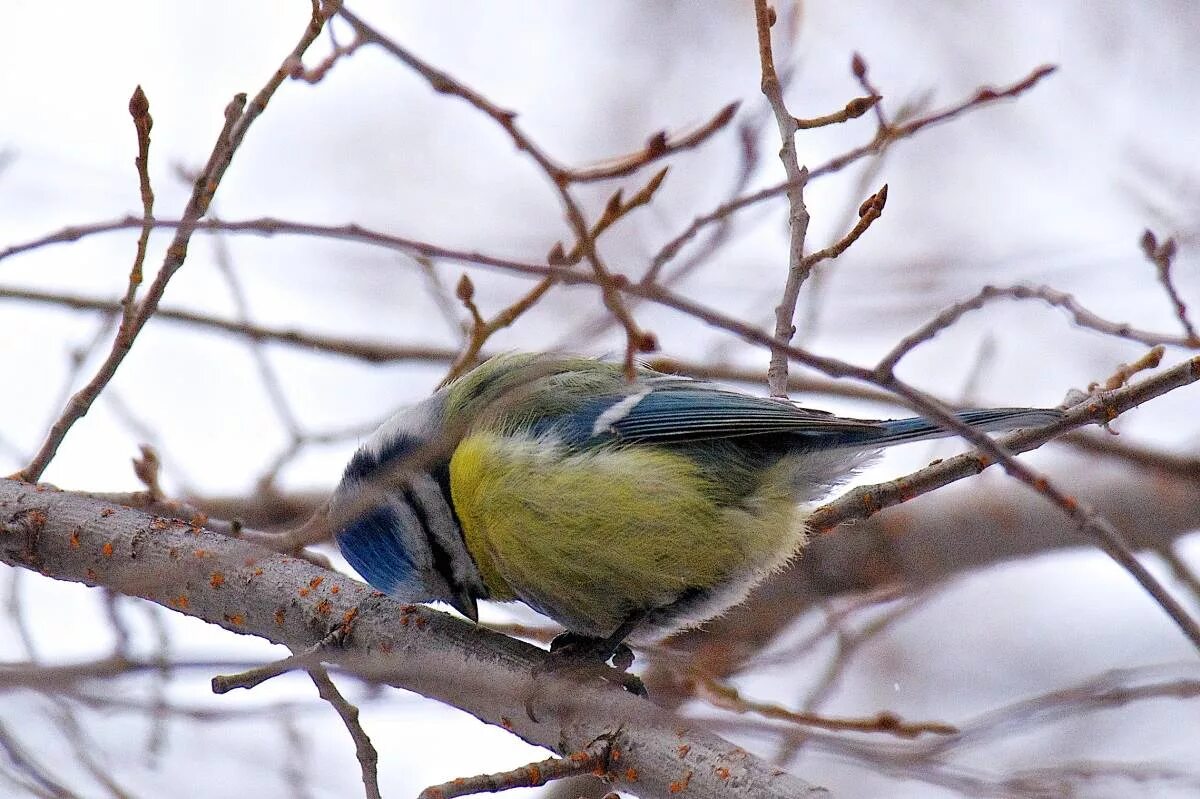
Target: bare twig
(139,109)
(870,210)
(852,110)
(858,68)
(594,760)
(637,340)
(1162,256)
(659,145)
(238,117)
(1184,466)
(866,501)
(1124,371)
(224,683)
(368,351)
(882,141)
(785,312)
(1111,689)
(483,329)
(378,353)
(1079,315)
(368,757)
(749,134)
(37,778)
(729,698)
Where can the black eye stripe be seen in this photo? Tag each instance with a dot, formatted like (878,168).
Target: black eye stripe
(366,463)
(442,562)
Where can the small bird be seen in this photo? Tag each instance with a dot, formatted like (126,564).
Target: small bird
(620,509)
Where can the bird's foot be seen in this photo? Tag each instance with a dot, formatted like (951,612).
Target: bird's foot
(578,652)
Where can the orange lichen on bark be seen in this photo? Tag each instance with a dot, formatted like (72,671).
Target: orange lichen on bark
(679,786)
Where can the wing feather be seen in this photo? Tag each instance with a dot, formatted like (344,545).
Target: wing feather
(695,413)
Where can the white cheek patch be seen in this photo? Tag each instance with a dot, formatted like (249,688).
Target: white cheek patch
(605,421)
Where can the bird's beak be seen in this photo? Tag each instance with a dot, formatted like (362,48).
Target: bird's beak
(466,604)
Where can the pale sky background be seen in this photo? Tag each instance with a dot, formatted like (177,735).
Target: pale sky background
(1054,188)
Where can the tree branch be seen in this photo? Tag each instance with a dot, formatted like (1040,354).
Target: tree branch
(291,602)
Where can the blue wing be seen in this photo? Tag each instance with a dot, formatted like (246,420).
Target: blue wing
(686,411)
(698,413)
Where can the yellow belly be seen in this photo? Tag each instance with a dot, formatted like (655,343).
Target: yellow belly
(591,538)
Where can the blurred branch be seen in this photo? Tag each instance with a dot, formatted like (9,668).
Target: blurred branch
(560,177)
(727,697)
(239,116)
(884,138)
(267,226)
(367,351)
(368,757)
(1094,527)
(495,678)
(1162,256)
(598,759)
(1080,315)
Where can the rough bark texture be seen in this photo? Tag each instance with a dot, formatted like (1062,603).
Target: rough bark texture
(253,591)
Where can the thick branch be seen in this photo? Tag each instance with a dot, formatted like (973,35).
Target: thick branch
(250,590)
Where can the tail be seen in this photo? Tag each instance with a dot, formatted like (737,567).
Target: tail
(990,420)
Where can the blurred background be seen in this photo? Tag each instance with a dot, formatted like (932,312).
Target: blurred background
(1053,188)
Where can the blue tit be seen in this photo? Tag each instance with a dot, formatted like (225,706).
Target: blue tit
(616,508)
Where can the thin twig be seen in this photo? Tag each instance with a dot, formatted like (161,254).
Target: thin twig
(870,210)
(865,501)
(592,761)
(1162,256)
(368,756)
(238,117)
(858,68)
(1080,315)
(367,351)
(659,145)
(1184,466)
(981,98)
(727,697)
(482,329)
(852,110)
(139,109)
(638,341)
(785,312)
